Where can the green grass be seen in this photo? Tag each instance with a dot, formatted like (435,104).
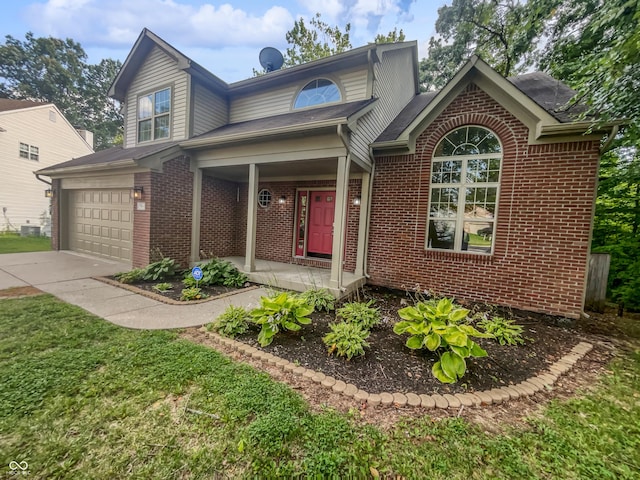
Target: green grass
(81,398)
(14,243)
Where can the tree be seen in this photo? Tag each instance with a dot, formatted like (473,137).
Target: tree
(391,37)
(316,41)
(54,70)
(504,34)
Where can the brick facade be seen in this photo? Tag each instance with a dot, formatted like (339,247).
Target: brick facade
(543,218)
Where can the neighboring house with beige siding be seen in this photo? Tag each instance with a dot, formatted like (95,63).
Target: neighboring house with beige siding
(33,135)
(483,190)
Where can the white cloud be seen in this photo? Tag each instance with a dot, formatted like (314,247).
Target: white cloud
(117,23)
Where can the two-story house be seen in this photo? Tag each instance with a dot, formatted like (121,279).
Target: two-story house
(33,135)
(483,190)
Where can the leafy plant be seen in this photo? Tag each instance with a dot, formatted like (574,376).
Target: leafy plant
(346,339)
(234,279)
(163,287)
(217,272)
(364,314)
(319,299)
(132,276)
(439,327)
(232,322)
(160,270)
(192,293)
(189,282)
(284,312)
(506,332)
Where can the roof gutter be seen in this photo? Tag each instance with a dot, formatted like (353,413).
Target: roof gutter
(576,128)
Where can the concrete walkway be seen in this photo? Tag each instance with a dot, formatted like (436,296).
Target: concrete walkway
(67,276)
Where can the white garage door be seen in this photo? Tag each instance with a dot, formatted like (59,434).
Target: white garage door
(101,222)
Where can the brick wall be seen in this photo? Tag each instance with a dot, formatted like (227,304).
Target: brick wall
(164,227)
(543,218)
(219,213)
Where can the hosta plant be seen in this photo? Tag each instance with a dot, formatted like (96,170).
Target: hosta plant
(131,276)
(364,314)
(346,339)
(319,299)
(163,287)
(439,327)
(506,332)
(160,270)
(192,293)
(232,322)
(284,312)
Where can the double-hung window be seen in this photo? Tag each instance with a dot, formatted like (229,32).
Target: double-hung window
(154,115)
(30,152)
(465,180)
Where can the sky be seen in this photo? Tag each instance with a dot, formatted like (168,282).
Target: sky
(224,37)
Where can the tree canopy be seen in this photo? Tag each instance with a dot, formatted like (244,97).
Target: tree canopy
(317,40)
(56,71)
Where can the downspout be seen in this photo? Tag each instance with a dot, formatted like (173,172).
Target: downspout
(610,139)
(43,181)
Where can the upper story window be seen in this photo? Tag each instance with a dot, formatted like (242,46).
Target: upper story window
(317,92)
(154,115)
(29,151)
(465,179)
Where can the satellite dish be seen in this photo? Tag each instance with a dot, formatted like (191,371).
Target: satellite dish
(271,59)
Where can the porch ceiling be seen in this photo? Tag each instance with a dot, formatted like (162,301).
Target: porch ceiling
(320,168)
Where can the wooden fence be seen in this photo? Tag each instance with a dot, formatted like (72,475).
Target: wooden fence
(597,281)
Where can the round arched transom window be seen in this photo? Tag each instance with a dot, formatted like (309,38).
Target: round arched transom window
(264,198)
(465,180)
(317,92)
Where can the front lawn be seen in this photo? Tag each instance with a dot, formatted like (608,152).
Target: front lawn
(14,243)
(81,398)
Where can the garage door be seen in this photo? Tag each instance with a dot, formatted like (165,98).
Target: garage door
(101,222)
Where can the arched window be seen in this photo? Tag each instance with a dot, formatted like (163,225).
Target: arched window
(317,92)
(465,179)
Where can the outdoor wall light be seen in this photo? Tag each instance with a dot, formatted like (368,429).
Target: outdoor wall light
(48,193)
(282,200)
(356,200)
(137,193)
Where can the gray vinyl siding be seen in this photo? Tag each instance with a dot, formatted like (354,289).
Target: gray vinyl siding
(157,72)
(394,86)
(353,85)
(209,110)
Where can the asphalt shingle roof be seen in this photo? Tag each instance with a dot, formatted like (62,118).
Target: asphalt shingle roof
(8,104)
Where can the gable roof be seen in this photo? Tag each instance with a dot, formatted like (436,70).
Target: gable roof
(9,104)
(537,99)
(144,44)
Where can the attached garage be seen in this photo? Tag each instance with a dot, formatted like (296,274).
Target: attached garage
(100,222)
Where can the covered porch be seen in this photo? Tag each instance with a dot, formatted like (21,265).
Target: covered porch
(297,277)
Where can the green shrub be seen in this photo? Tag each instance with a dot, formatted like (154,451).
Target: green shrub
(192,293)
(163,287)
(160,270)
(361,313)
(132,276)
(506,332)
(439,327)
(346,339)
(284,312)
(232,322)
(319,299)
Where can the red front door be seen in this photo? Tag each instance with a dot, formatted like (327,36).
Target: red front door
(321,212)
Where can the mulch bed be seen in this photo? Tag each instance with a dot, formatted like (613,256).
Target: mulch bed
(389,366)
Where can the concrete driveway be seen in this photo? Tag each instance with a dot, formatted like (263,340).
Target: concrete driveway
(67,275)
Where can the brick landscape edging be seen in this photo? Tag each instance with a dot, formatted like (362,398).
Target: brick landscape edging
(162,298)
(526,388)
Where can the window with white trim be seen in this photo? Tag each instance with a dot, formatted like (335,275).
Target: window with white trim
(465,181)
(317,92)
(29,151)
(154,115)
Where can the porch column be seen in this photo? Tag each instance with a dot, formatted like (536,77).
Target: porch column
(339,221)
(195,215)
(252,212)
(363,222)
